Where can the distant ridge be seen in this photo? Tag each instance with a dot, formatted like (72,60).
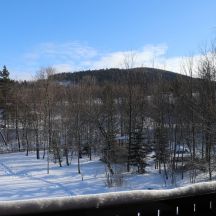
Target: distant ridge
(114,75)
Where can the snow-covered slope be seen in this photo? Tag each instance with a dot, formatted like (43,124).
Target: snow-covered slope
(24,177)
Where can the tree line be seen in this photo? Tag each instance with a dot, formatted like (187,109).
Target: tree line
(129,121)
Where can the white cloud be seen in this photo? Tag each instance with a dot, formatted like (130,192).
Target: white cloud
(63,67)
(70,50)
(70,53)
(21,74)
(143,57)
(148,56)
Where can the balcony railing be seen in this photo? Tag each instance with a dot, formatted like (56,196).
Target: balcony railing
(198,199)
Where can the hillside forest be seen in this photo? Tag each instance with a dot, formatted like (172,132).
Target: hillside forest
(126,116)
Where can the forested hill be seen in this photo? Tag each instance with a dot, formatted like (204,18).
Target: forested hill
(117,75)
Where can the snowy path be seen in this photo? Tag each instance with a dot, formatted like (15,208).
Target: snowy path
(7,171)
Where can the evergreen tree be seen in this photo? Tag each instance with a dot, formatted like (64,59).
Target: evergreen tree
(4,93)
(4,74)
(138,150)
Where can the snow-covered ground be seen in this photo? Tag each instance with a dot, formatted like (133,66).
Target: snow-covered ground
(25,177)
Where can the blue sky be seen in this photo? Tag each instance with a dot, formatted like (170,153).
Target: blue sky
(73,35)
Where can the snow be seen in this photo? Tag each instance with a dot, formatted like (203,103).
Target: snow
(182,149)
(100,200)
(120,137)
(24,178)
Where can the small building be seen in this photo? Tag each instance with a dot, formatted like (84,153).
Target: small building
(121,140)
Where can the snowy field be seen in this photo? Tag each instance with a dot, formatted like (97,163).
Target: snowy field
(25,177)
